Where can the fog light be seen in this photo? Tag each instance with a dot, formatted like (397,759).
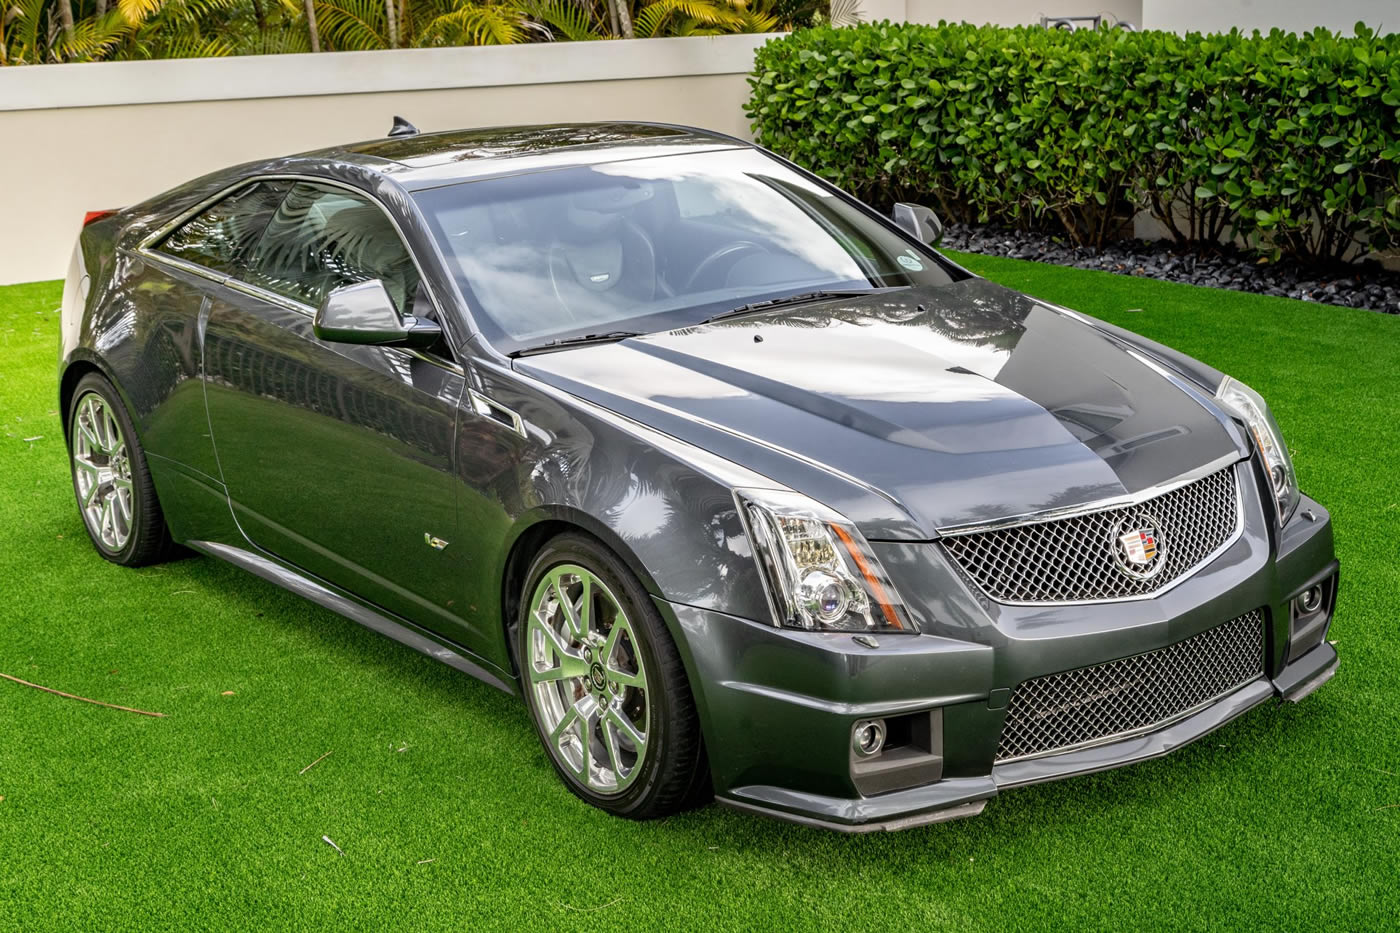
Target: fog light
(1310,613)
(868,737)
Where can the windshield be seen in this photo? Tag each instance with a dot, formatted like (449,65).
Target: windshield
(654,244)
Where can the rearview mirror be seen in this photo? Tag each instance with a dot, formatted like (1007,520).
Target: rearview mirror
(919,221)
(364,313)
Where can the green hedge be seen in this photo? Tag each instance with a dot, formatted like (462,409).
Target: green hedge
(1292,142)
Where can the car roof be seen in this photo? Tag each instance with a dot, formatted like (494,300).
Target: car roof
(428,160)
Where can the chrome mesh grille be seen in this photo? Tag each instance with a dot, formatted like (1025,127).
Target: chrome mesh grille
(1133,694)
(1074,560)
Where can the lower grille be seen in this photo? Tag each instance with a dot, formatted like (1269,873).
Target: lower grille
(1089,704)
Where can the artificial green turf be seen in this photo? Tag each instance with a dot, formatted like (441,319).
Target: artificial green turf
(201,820)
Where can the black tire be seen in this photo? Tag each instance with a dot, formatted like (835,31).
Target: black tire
(148,540)
(674,774)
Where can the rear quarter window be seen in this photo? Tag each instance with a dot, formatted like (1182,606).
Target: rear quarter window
(219,237)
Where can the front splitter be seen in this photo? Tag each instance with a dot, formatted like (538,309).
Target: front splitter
(956,798)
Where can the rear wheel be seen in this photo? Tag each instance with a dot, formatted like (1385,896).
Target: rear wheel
(605,685)
(113,486)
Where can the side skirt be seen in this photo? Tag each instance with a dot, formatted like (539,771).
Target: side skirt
(400,630)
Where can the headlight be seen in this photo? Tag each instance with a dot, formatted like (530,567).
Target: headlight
(820,571)
(1243,401)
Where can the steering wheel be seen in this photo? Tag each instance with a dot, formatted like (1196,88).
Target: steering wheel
(730,251)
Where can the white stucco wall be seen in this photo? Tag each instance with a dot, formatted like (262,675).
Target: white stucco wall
(1019,12)
(1293,15)
(110,134)
(872,11)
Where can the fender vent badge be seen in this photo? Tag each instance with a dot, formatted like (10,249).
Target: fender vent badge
(437,544)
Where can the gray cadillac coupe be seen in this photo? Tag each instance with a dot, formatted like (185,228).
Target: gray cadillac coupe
(747,490)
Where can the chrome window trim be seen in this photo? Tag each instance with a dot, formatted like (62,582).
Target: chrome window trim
(1135,499)
(147,249)
(267,294)
(1099,505)
(203,272)
(148,242)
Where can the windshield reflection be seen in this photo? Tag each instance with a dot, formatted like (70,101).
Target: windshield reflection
(655,243)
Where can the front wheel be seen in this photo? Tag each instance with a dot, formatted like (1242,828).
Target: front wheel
(605,684)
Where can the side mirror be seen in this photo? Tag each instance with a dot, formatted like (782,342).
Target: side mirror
(919,221)
(364,313)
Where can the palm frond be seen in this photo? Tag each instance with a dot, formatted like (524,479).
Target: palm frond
(26,34)
(92,38)
(654,17)
(199,11)
(570,20)
(352,25)
(192,45)
(846,13)
(689,27)
(476,24)
(757,21)
(137,11)
(187,29)
(275,42)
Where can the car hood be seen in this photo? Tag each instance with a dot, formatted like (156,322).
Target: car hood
(955,404)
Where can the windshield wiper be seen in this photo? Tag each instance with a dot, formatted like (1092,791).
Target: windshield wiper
(803,298)
(564,343)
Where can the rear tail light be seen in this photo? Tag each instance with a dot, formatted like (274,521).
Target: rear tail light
(92,217)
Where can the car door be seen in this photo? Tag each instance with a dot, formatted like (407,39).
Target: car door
(171,286)
(337,458)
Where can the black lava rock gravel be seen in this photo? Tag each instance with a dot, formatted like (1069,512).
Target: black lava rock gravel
(1366,285)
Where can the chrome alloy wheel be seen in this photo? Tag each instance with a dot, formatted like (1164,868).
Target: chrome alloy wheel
(102,472)
(590,686)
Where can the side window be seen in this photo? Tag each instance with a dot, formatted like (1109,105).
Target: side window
(220,236)
(322,238)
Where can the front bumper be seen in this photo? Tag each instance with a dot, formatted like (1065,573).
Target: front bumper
(778,706)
